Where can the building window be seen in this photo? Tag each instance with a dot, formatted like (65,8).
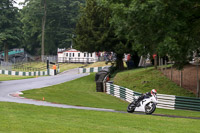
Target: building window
(73,54)
(66,54)
(90,54)
(70,54)
(78,54)
(84,54)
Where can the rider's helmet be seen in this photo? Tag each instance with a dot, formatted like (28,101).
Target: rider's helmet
(153,92)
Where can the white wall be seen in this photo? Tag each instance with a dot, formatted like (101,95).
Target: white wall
(77,56)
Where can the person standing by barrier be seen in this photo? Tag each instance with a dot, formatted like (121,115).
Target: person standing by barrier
(128,61)
(54,68)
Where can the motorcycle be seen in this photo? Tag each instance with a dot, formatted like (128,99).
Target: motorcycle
(147,105)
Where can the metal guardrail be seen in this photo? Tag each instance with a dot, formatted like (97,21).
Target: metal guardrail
(164,101)
(187,103)
(15,73)
(90,70)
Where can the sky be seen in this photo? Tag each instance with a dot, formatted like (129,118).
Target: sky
(19,6)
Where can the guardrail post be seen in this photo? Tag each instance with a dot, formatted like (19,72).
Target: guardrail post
(171,72)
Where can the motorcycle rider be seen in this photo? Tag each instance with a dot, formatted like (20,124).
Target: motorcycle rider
(146,95)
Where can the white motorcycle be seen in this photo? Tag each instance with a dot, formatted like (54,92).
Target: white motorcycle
(147,105)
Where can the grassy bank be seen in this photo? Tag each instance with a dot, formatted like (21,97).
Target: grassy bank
(145,79)
(99,64)
(30,66)
(67,66)
(22,118)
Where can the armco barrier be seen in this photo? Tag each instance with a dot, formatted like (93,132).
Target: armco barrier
(90,70)
(164,101)
(14,73)
(187,103)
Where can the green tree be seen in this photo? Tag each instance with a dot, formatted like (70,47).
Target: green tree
(94,32)
(9,26)
(158,26)
(61,17)
(31,18)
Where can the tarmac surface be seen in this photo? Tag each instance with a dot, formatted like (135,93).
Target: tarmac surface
(10,91)
(15,86)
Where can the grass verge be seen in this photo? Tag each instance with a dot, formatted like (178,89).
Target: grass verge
(22,118)
(10,77)
(80,92)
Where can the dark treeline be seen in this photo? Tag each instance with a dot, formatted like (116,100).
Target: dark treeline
(23,27)
(140,27)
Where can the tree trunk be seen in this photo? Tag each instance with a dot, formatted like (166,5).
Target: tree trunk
(43,30)
(155,62)
(5,53)
(136,59)
(119,62)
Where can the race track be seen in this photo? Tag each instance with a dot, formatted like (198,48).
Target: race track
(9,91)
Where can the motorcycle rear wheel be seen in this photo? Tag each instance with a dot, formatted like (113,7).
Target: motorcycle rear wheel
(150,109)
(131,108)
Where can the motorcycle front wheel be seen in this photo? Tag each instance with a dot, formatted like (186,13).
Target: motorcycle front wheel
(131,108)
(150,108)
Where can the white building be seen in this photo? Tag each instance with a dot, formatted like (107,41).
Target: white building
(73,56)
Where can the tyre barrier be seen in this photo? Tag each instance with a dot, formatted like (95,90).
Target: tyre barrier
(100,78)
(15,73)
(164,101)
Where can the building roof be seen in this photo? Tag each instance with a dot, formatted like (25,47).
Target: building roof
(69,50)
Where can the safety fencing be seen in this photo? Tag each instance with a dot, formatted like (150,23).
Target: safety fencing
(90,70)
(15,73)
(164,101)
(187,103)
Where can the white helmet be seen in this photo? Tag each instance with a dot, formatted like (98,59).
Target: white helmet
(153,91)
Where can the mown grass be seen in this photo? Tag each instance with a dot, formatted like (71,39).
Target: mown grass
(67,66)
(101,64)
(82,92)
(98,64)
(144,79)
(22,118)
(10,77)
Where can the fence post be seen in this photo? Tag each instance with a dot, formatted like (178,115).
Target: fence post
(159,61)
(48,67)
(181,78)
(171,72)
(197,79)
(165,67)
